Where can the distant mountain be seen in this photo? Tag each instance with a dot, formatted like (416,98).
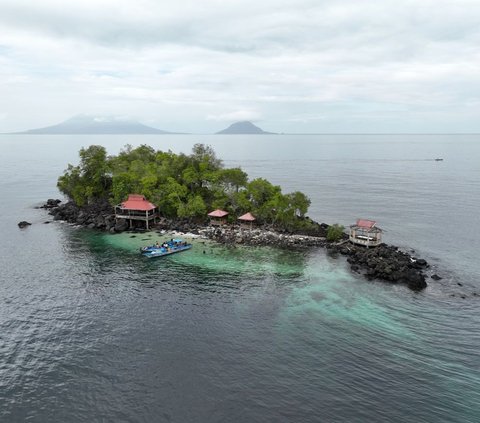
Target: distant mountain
(84,124)
(243,128)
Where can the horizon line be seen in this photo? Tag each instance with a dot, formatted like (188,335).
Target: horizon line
(271,133)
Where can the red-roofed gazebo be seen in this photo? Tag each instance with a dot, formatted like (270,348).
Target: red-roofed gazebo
(136,208)
(247,220)
(365,223)
(218,217)
(365,232)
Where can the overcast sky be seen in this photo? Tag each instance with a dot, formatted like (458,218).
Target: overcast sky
(288,65)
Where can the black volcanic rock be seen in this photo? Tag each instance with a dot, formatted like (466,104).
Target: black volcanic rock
(51,203)
(243,128)
(387,263)
(83,124)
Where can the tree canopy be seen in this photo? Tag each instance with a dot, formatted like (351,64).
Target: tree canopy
(180,185)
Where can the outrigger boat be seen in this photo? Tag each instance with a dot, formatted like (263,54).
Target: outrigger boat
(170,247)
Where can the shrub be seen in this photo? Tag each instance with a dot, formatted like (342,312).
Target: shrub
(335,232)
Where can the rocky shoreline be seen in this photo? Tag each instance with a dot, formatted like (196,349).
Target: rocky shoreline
(385,262)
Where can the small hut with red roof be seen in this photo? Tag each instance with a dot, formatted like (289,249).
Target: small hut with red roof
(136,209)
(365,232)
(218,217)
(246,220)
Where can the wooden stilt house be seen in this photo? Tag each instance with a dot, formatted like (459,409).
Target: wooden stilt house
(137,209)
(365,232)
(218,217)
(246,220)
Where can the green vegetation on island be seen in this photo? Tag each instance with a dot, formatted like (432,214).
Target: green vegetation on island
(335,232)
(182,186)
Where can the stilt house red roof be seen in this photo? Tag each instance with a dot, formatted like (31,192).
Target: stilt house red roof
(248,217)
(137,202)
(218,213)
(365,223)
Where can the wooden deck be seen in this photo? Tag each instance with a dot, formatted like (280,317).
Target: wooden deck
(366,241)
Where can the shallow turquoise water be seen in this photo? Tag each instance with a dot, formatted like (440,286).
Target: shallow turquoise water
(90,330)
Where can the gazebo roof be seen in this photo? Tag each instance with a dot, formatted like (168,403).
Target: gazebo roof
(137,202)
(365,223)
(218,213)
(249,217)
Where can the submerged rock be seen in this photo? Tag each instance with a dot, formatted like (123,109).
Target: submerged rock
(415,280)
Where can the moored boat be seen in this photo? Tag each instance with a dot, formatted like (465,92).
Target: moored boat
(165,249)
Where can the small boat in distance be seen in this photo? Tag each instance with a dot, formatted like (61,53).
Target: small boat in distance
(439,160)
(165,249)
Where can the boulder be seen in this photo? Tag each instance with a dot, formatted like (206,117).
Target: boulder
(121,225)
(51,203)
(435,277)
(99,222)
(415,280)
(80,220)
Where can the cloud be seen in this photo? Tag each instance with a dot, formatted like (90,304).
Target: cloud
(239,115)
(306,118)
(299,64)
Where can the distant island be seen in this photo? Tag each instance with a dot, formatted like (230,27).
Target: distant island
(243,128)
(85,124)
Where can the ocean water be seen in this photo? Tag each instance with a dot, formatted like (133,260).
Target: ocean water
(89,330)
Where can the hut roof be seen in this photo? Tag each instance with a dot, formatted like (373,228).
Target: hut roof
(365,223)
(218,213)
(137,202)
(249,217)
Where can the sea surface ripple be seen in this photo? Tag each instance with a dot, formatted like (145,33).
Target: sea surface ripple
(89,330)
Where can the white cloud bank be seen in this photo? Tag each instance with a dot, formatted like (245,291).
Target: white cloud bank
(236,116)
(298,66)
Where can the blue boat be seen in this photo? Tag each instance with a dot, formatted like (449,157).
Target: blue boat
(165,249)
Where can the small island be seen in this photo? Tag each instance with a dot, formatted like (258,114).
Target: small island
(244,127)
(86,124)
(141,188)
